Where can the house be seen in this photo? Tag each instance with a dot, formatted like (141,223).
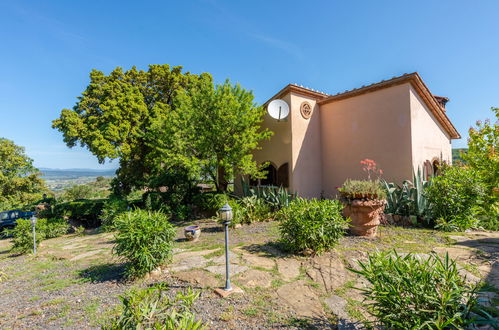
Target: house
(398,123)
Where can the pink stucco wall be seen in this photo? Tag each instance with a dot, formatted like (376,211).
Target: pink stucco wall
(306,169)
(374,125)
(428,138)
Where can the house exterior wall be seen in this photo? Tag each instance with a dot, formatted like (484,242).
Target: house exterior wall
(277,150)
(429,140)
(374,125)
(306,166)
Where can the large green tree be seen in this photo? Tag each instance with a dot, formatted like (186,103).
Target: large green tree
(113,116)
(20,181)
(212,132)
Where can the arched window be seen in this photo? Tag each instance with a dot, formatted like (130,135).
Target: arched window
(283,175)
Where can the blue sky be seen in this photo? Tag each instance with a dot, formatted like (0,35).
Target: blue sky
(49,47)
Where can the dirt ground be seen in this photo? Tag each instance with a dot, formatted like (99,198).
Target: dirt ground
(74,282)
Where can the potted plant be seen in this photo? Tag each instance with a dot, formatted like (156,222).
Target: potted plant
(364,201)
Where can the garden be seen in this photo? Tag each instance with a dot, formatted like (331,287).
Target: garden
(149,251)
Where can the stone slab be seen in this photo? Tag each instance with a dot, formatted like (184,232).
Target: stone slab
(255,278)
(288,268)
(220,269)
(301,298)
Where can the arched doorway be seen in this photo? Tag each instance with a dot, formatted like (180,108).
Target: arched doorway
(283,175)
(271,178)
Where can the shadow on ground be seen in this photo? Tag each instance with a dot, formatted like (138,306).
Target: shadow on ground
(489,251)
(268,249)
(104,273)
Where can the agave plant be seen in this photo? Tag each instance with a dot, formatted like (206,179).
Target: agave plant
(276,197)
(408,199)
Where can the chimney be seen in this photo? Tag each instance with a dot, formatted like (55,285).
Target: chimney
(441,100)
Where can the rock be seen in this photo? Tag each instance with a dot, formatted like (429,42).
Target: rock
(258,261)
(329,272)
(198,277)
(338,306)
(288,268)
(188,263)
(220,269)
(255,278)
(301,298)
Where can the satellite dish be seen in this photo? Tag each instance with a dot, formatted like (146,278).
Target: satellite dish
(278,109)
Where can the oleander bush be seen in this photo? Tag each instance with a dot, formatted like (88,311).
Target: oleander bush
(311,225)
(144,239)
(151,308)
(411,292)
(455,197)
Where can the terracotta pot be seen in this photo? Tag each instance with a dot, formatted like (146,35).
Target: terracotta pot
(192,233)
(365,216)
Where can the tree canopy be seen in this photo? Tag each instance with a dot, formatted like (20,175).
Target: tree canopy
(114,114)
(162,119)
(212,132)
(20,181)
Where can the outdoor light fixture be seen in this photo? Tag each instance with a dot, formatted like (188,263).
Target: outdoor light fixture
(33,225)
(226,216)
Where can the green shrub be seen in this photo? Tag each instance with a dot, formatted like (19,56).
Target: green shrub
(110,210)
(209,202)
(87,212)
(408,292)
(254,209)
(314,225)
(22,240)
(144,239)
(150,308)
(355,189)
(45,228)
(54,227)
(454,198)
(173,191)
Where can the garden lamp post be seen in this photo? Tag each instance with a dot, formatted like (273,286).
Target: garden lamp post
(33,225)
(226,217)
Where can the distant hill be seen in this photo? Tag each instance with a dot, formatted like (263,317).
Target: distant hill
(456,154)
(73,173)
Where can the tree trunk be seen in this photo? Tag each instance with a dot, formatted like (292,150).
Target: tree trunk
(222,182)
